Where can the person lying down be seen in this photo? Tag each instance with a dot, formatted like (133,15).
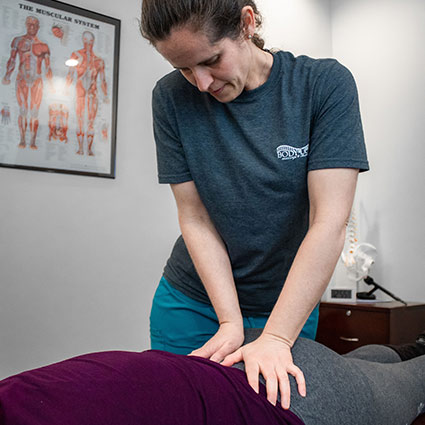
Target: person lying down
(371,385)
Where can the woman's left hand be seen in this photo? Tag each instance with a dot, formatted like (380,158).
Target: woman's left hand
(228,339)
(271,356)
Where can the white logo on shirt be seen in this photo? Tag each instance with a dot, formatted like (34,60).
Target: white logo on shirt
(285,152)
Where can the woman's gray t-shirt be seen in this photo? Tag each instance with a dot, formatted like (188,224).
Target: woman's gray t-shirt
(249,160)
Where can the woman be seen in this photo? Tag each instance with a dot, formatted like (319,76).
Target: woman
(262,152)
(368,386)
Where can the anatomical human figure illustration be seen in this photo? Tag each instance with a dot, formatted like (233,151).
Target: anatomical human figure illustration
(5,115)
(105,131)
(29,82)
(87,69)
(60,31)
(58,122)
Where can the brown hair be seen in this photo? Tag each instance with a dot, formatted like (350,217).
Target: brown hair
(219,18)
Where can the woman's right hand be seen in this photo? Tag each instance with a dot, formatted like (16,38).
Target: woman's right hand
(227,340)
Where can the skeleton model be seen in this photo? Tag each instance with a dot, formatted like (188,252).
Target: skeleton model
(29,81)
(88,68)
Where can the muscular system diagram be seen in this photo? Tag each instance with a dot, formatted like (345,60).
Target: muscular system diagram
(5,115)
(58,122)
(89,67)
(32,53)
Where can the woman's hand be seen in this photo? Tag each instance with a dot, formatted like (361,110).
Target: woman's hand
(271,356)
(227,340)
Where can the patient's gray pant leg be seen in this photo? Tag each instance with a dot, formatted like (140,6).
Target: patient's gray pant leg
(336,392)
(349,391)
(398,389)
(374,353)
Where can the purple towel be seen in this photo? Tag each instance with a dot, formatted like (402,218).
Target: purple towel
(126,388)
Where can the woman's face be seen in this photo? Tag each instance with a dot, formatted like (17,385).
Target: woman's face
(222,69)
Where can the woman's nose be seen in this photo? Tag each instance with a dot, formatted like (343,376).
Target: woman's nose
(203,79)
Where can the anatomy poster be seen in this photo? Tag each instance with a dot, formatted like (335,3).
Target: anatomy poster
(58,87)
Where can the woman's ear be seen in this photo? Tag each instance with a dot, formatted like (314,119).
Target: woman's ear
(247,22)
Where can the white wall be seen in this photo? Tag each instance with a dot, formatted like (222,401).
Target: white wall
(381,42)
(80,256)
(300,26)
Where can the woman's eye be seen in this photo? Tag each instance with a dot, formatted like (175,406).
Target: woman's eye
(213,61)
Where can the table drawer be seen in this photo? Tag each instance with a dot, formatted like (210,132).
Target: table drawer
(344,329)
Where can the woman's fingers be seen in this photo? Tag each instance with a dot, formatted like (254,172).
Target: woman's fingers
(233,358)
(209,349)
(201,352)
(285,390)
(252,371)
(297,373)
(270,358)
(271,387)
(275,380)
(227,339)
(219,355)
(284,385)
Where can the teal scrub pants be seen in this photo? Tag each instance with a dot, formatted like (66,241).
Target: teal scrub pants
(179,324)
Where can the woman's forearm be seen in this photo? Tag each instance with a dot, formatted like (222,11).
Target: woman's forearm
(307,279)
(212,263)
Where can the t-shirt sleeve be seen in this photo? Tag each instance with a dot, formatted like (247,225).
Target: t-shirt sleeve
(336,139)
(171,160)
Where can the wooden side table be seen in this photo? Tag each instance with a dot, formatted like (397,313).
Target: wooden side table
(346,326)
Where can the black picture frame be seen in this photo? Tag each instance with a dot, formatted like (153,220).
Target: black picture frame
(59,68)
